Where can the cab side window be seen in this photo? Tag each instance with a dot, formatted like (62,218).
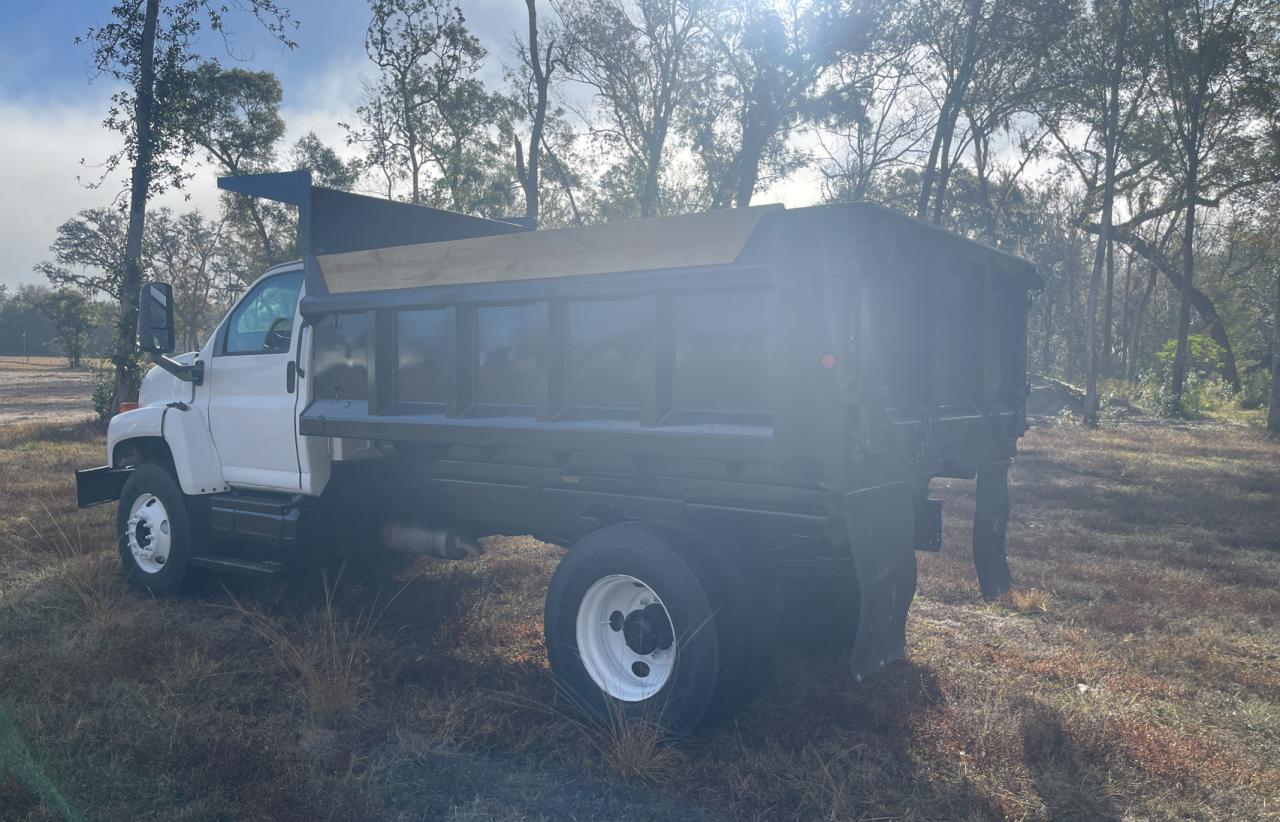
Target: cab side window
(263,322)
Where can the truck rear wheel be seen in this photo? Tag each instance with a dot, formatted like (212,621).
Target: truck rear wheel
(639,624)
(154,531)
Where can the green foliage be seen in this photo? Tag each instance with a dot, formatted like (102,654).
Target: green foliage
(1201,394)
(327,168)
(1205,390)
(71,316)
(102,394)
(88,252)
(1203,355)
(234,115)
(23,329)
(116,50)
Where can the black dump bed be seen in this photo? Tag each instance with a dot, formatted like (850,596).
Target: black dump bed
(791,377)
(839,347)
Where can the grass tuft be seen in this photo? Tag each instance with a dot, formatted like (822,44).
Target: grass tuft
(1030,600)
(633,747)
(327,651)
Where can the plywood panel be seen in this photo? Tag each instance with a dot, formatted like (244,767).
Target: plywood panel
(711,238)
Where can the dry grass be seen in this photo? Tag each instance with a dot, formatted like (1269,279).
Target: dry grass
(1147,685)
(328,651)
(1030,600)
(88,586)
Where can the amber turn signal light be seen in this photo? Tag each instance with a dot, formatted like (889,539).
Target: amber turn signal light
(127,406)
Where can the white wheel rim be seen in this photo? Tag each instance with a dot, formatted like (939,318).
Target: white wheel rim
(148,532)
(626,638)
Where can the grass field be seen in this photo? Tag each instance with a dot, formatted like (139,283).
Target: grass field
(1136,674)
(44,390)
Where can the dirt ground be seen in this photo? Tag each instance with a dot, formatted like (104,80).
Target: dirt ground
(45,392)
(1134,675)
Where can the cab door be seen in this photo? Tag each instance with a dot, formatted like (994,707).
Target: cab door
(251,385)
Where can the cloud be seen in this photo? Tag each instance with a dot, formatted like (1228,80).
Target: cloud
(40,190)
(45,143)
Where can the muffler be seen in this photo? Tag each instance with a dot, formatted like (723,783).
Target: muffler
(442,543)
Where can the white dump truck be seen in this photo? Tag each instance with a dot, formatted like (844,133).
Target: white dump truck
(729,419)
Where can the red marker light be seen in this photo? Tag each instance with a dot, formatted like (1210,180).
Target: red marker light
(828,360)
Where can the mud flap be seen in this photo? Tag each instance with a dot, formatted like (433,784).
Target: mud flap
(880,522)
(990,520)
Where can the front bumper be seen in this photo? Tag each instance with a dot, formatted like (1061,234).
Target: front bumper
(96,486)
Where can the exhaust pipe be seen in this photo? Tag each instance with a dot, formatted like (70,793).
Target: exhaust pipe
(441,543)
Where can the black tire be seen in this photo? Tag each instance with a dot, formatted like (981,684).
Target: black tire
(745,617)
(689,583)
(154,480)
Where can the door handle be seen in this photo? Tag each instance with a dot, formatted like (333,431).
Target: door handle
(290,376)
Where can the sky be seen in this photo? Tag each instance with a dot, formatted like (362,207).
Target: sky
(51,106)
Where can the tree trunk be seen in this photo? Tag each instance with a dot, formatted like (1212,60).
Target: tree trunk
(1214,325)
(1091,325)
(1108,310)
(126,361)
(649,196)
(1179,376)
(1139,314)
(529,172)
(255,214)
(1046,347)
(1135,344)
(981,158)
(1273,412)
(948,115)
(1125,313)
(755,136)
(930,166)
(1110,140)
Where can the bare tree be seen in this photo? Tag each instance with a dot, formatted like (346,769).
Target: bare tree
(538,63)
(635,56)
(184,248)
(1205,49)
(1111,151)
(426,119)
(873,113)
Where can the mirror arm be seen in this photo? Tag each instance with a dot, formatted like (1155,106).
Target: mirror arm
(193,373)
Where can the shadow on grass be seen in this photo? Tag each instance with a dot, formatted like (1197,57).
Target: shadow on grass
(1069,783)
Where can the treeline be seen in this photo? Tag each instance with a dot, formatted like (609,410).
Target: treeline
(1130,147)
(37,321)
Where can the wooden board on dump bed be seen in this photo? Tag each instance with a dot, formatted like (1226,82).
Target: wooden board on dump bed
(710,238)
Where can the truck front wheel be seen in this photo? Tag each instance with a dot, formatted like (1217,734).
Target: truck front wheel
(632,630)
(154,528)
